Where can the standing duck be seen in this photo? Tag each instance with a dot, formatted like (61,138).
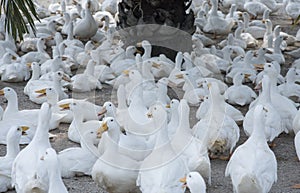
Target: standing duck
(253,166)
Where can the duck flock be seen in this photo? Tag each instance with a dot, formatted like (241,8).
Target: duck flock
(143,141)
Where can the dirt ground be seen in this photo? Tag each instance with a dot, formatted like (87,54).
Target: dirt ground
(288,165)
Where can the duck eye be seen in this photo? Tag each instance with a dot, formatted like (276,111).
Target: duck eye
(92,132)
(8,89)
(18,129)
(190,176)
(111,120)
(154,108)
(109,105)
(59,73)
(74,104)
(269,65)
(46,153)
(50,88)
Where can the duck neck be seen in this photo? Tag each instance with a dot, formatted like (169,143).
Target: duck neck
(231,11)
(58,38)
(36,72)
(237,80)
(162,137)
(191,83)
(266,14)
(290,77)
(227,56)
(55,182)
(88,14)
(78,119)
(41,135)
(147,53)
(178,61)
(246,20)
(184,122)
(162,90)
(40,47)
(146,71)
(53,100)
(276,31)
(174,117)
(114,134)
(12,147)
(277,44)
(269,28)
(238,32)
(214,8)
(266,93)
(270,41)
(261,56)
(70,32)
(57,86)
(121,93)
(51,27)
(217,103)
(90,69)
(12,106)
(89,146)
(258,129)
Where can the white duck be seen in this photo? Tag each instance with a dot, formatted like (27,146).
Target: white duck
(12,150)
(177,70)
(277,54)
(39,56)
(15,72)
(78,127)
(174,117)
(233,112)
(292,9)
(80,160)
(36,85)
(296,123)
(161,173)
(25,175)
(195,182)
(12,110)
(238,93)
(255,8)
(285,106)
(36,72)
(290,87)
(87,27)
(195,152)
(86,81)
(50,161)
(253,166)
(114,171)
(273,125)
(221,134)
(54,7)
(216,24)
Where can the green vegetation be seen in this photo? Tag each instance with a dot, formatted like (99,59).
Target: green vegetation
(14,10)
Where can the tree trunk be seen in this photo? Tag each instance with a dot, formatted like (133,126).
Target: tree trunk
(165,24)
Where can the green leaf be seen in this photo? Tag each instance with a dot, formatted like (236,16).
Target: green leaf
(297,20)
(15,11)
